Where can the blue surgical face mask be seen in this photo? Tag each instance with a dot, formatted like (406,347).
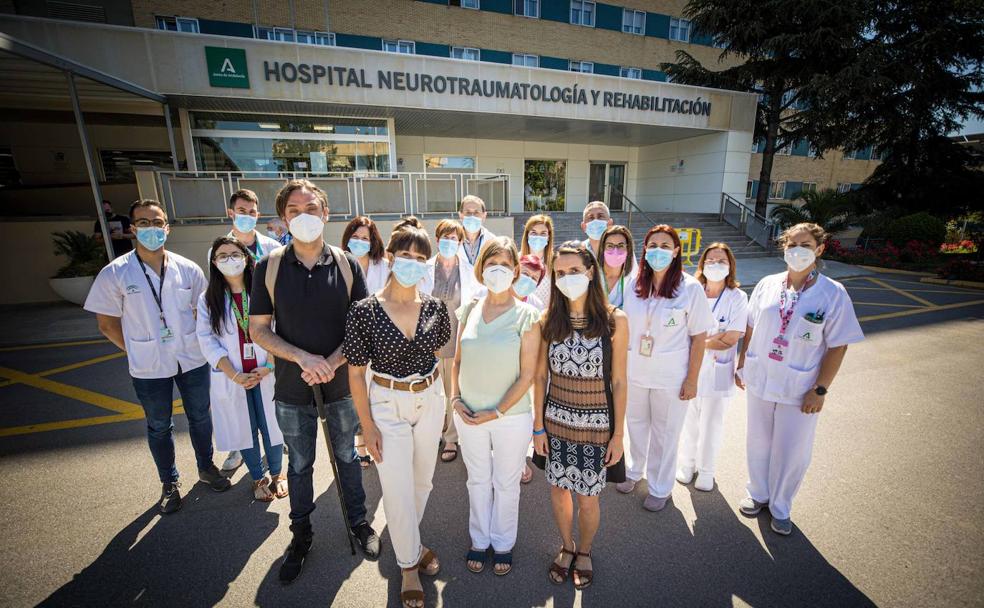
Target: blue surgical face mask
(524,286)
(358,247)
(472,223)
(595,229)
(273,235)
(408,272)
(448,248)
(151,238)
(244,223)
(537,242)
(658,259)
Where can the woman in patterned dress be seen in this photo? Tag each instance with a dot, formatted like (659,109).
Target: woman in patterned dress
(576,389)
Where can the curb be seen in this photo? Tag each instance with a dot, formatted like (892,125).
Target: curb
(897,271)
(953,283)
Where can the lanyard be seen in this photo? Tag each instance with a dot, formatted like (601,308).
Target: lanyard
(478,247)
(242,318)
(621,290)
(713,308)
(786,314)
(649,313)
(259,247)
(153,292)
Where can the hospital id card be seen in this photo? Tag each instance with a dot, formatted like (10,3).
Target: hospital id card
(167,334)
(249,352)
(646,346)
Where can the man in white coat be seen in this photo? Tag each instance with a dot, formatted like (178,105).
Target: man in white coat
(472,214)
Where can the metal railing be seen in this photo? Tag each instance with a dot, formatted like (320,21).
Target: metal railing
(631,207)
(203,195)
(758,228)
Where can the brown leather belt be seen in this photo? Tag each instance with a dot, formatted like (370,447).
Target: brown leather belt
(415,386)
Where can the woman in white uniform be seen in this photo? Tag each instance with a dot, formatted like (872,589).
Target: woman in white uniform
(620,266)
(799,325)
(361,238)
(703,428)
(668,323)
(538,240)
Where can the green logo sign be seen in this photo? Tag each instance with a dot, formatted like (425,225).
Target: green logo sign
(227,67)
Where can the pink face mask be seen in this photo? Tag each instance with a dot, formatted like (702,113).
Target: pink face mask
(615,257)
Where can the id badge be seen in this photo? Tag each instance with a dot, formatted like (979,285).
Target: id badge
(646,346)
(248,351)
(167,334)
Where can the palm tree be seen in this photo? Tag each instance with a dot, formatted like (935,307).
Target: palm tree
(827,207)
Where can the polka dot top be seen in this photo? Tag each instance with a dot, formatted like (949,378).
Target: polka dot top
(371,337)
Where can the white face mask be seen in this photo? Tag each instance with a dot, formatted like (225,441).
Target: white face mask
(573,286)
(231,268)
(717,271)
(497,278)
(306,228)
(799,258)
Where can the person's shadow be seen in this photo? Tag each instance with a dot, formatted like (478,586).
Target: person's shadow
(202,548)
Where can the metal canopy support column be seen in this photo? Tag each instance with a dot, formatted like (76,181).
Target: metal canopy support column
(89,165)
(170,136)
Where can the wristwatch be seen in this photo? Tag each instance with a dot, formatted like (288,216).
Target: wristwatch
(498,413)
(820,390)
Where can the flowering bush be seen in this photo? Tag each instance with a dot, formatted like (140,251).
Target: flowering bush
(962,270)
(964,246)
(914,253)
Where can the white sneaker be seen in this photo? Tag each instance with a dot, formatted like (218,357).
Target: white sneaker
(232,462)
(626,486)
(705,482)
(685,475)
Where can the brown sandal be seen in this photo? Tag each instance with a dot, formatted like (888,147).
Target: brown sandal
(427,560)
(559,570)
(364,459)
(411,595)
(279,484)
(585,576)
(261,490)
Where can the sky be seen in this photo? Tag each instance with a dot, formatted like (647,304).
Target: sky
(972,126)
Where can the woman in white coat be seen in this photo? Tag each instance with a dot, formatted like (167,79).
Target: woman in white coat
(703,429)
(361,238)
(799,325)
(241,388)
(668,323)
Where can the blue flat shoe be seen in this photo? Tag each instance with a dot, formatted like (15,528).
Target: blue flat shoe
(477,555)
(502,558)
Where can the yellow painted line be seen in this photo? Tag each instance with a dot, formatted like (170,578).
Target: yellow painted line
(888,305)
(72,392)
(947,291)
(77,423)
(8,349)
(897,271)
(71,366)
(901,292)
(917,311)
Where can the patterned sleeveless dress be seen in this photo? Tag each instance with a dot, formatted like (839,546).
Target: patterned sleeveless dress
(576,415)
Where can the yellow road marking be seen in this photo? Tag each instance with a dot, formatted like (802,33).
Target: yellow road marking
(72,392)
(916,311)
(76,423)
(71,366)
(889,305)
(956,293)
(8,349)
(901,292)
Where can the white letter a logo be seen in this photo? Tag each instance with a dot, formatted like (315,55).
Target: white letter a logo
(227,66)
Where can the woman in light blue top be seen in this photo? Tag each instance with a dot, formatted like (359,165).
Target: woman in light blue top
(494,366)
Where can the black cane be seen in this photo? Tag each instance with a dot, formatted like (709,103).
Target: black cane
(320,403)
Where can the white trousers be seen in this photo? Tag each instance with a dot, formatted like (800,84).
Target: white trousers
(780,445)
(410,425)
(654,418)
(494,455)
(703,432)
(450,434)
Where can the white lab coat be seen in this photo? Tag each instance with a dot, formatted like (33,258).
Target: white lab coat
(230,418)
(486,236)
(121,290)
(717,371)
(470,287)
(263,248)
(376,275)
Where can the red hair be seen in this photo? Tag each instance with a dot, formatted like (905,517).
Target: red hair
(674,272)
(533,263)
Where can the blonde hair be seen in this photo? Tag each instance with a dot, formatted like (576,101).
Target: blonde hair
(524,247)
(732,279)
(816,231)
(500,244)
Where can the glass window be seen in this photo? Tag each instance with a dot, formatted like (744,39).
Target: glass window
(177,24)
(748,189)
(406,47)
(527,8)
(469,4)
(784,150)
(263,33)
(630,73)
(582,66)
(530,61)
(582,13)
(283,34)
(777,190)
(451,164)
(231,121)
(843,188)
(633,22)
(544,185)
(273,155)
(679,29)
(809,186)
(466,53)
(304,37)
(324,38)
(118,165)
(850,154)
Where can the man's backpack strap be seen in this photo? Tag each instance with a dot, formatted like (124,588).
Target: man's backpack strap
(273,267)
(343,265)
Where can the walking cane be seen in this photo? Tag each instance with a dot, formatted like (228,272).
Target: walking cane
(323,415)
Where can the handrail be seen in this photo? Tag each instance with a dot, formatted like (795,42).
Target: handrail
(745,212)
(742,204)
(632,205)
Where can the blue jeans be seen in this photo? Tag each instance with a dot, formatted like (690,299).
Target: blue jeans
(257,422)
(299,424)
(155,395)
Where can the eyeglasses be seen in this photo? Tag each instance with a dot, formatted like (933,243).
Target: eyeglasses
(225,257)
(148,223)
(611,246)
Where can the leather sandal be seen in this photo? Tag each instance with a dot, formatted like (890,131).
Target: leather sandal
(411,595)
(261,490)
(582,578)
(364,460)
(500,559)
(477,555)
(427,560)
(453,454)
(279,485)
(559,570)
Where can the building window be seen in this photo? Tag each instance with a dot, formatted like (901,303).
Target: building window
(466,53)
(406,47)
(748,188)
(178,24)
(324,38)
(777,190)
(850,154)
(528,8)
(679,29)
(544,185)
(118,165)
(283,34)
(449,164)
(635,73)
(465,3)
(811,153)
(785,150)
(809,187)
(582,66)
(633,22)
(530,61)
(582,13)
(843,188)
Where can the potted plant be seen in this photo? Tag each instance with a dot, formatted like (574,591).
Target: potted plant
(86,257)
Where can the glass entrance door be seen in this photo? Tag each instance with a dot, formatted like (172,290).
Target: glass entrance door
(606,182)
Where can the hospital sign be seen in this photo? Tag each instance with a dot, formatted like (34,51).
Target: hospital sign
(227,67)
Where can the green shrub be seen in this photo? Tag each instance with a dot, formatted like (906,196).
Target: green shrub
(86,255)
(921,227)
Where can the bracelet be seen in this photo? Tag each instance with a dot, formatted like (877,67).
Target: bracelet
(540,432)
(268,365)
(456,399)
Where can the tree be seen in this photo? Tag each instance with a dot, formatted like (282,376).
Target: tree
(827,207)
(785,48)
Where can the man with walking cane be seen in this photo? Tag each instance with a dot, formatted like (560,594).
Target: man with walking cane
(300,297)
